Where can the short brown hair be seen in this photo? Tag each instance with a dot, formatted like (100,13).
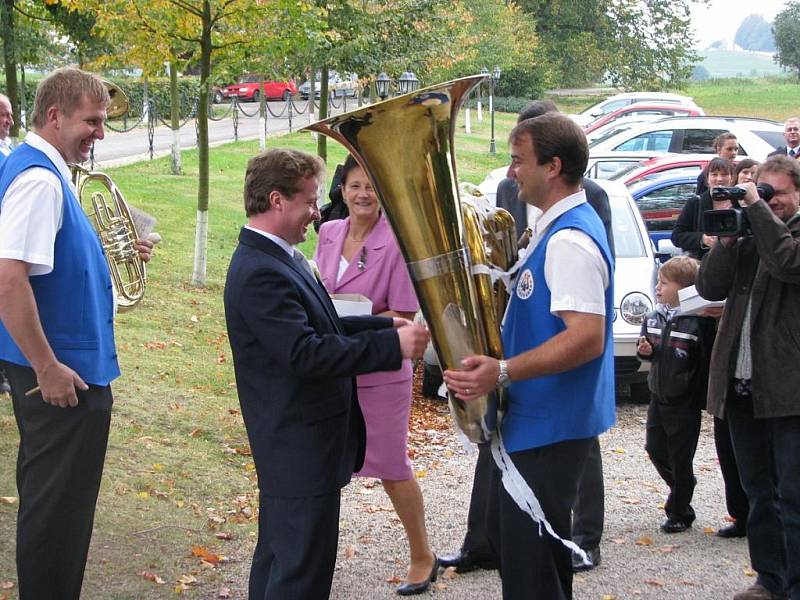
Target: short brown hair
(281,170)
(65,88)
(781,164)
(681,270)
(720,140)
(554,134)
(720,164)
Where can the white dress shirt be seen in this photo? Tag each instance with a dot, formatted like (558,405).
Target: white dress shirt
(5,146)
(575,270)
(32,211)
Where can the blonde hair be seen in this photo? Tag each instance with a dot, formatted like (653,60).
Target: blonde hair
(681,270)
(65,88)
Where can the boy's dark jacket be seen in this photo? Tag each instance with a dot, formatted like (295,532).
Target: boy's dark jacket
(681,355)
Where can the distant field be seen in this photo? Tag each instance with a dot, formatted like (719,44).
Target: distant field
(727,63)
(766,97)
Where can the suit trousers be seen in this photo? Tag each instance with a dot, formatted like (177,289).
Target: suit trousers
(588,514)
(532,563)
(476,542)
(671,442)
(59,467)
(768,454)
(296,550)
(735,498)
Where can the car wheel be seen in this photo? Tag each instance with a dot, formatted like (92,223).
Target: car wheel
(431,380)
(218,98)
(256,96)
(286,95)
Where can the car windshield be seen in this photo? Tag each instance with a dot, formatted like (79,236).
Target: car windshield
(621,173)
(773,138)
(250,79)
(609,133)
(628,241)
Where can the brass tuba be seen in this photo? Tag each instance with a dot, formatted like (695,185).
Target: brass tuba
(111,218)
(405,145)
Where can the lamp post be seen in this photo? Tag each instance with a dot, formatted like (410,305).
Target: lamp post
(484,72)
(407,82)
(382,82)
(494,80)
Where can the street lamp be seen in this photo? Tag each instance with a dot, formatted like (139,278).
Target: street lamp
(382,85)
(494,80)
(407,82)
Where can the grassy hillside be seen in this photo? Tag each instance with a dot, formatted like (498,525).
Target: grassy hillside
(727,63)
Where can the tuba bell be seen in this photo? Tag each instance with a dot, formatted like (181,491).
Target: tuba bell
(110,215)
(405,145)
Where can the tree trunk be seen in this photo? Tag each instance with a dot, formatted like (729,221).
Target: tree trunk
(10,59)
(322,141)
(174,101)
(201,233)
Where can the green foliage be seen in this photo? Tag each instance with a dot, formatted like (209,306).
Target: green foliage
(787,36)
(754,33)
(158,91)
(498,34)
(634,44)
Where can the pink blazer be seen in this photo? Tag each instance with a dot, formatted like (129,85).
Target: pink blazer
(384,279)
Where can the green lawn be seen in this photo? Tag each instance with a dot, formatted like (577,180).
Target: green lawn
(178,470)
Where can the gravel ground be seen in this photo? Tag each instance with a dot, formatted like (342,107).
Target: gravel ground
(638,561)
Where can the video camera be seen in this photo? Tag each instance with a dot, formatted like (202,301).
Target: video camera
(732,222)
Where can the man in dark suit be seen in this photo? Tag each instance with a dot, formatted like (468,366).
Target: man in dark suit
(295,363)
(589,509)
(791,133)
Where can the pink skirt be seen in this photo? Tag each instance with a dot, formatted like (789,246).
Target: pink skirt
(386,409)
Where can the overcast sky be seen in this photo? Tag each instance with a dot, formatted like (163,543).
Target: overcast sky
(721,18)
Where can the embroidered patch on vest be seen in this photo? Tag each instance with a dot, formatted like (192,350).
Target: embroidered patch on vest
(525,285)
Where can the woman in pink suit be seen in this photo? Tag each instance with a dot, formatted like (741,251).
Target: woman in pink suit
(359,255)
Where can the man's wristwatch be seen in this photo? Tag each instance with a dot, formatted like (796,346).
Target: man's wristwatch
(503,378)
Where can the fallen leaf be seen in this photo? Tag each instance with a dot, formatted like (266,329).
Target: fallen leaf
(205,556)
(645,540)
(194,319)
(619,540)
(449,573)
(709,530)
(187,580)
(349,552)
(195,432)
(609,597)
(6,585)
(224,593)
(749,572)
(631,500)
(8,499)
(150,576)
(394,579)
(655,582)
(143,495)
(223,535)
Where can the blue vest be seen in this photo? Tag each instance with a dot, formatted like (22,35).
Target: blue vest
(570,405)
(74,300)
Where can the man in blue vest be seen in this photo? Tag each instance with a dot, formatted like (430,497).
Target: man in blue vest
(560,371)
(56,335)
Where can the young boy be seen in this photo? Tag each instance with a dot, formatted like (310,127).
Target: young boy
(679,349)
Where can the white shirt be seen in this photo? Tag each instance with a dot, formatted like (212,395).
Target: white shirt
(5,146)
(32,211)
(286,246)
(575,270)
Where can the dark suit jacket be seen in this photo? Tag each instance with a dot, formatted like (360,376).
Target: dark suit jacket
(508,198)
(295,363)
(781,151)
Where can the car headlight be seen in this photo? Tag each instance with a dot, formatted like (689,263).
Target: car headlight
(635,307)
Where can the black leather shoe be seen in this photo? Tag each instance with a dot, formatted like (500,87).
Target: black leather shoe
(674,526)
(593,557)
(734,530)
(412,589)
(466,561)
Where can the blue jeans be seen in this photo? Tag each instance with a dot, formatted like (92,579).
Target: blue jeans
(768,454)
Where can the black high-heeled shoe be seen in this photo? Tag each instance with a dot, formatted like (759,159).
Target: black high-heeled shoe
(412,589)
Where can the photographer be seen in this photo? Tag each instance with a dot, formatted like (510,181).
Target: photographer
(688,233)
(754,378)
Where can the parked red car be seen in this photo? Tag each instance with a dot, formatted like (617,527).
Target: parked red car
(650,168)
(645,108)
(249,90)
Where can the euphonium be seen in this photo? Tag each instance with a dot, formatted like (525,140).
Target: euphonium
(113,223)
(405,145)
(112,219)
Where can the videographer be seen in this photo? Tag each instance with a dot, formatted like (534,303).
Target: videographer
(688,231)
(754,376)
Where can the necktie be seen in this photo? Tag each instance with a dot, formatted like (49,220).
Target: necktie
(299,257)
(792,153)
